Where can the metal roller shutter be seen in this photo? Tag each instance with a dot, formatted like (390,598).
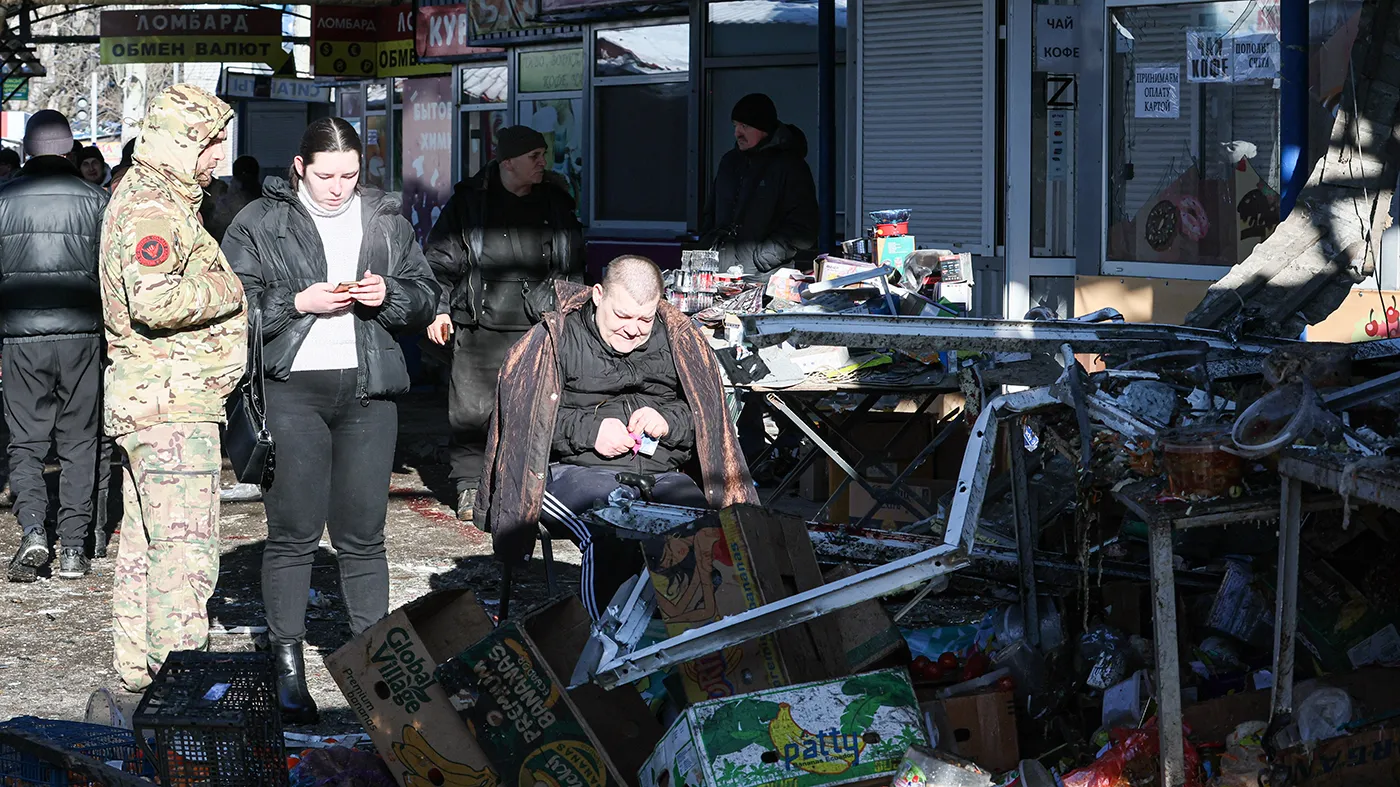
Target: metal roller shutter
(1159,149)
(928,119)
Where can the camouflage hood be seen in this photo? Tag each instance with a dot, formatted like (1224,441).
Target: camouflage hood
(179,124)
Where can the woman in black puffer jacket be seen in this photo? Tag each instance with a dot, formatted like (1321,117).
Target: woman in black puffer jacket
(335,271)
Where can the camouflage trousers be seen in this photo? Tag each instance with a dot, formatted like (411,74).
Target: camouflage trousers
(168,561)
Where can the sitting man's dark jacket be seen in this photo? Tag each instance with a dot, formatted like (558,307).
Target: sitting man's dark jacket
(601,383)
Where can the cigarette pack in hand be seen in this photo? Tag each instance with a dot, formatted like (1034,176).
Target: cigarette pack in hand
(648,446)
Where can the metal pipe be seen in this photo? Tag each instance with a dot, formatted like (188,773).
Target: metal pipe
(826,124)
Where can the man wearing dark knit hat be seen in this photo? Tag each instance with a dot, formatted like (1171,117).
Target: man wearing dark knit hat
(762,211)
(500,243)
(51,324)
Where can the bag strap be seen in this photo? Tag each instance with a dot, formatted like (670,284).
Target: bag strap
(257,384)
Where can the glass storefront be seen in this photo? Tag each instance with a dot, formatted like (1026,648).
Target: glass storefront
(1193,131)
(483,113)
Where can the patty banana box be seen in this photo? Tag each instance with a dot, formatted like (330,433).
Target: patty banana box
(852,730)
(386,674)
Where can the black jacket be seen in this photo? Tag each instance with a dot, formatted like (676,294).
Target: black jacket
(492,296)
(599,383)
(50,230)
(762,211)
(276,251)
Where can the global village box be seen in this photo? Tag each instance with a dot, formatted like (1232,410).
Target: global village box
(535,731)
(731,561)
(386,674)
(852,730)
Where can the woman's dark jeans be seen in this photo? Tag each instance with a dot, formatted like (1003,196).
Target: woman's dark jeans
(334,457)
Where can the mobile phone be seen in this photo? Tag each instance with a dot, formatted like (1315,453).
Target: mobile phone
(345,286)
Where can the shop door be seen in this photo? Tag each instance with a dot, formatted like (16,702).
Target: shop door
(1044,62)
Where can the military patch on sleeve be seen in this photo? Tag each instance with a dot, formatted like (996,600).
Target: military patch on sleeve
(152,250)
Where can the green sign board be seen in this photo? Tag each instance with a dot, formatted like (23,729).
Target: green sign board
(551,71)
(15,89)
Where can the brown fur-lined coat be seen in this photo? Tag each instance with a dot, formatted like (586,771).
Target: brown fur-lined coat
(527,402)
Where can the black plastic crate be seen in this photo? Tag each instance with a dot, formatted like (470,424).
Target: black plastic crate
(55,753)
(213,720)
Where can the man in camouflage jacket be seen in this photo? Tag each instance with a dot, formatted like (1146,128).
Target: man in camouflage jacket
(176,325)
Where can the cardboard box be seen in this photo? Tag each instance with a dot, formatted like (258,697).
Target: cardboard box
(729,562)
(386,674)
(1370,758)
(892,251)
(1339,625)
(982,728)
(892,515)
(868,633)
(835,268)
(508,689)
(1377,689)
(843,731)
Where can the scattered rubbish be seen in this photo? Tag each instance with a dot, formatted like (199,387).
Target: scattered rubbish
(924,767)
(1131,759)
(1323,713)
(340,766)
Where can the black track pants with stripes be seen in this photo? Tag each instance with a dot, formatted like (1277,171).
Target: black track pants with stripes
(608,561)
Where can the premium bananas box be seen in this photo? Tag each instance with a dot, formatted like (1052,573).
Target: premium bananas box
(386,674)
(847,731)
(508,690)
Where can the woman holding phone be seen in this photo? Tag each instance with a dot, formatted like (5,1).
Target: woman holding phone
(334,270)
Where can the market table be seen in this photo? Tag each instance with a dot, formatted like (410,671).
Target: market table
(797,404)
(1373,480)
(1163,516)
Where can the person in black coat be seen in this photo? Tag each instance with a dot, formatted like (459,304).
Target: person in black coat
(333,271)
(502,240)
(762,211)
(51,325)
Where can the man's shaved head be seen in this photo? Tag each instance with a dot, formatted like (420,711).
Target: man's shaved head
(637,275)
(626,302)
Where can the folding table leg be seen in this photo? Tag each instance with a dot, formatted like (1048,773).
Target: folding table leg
(1173,765)
(1286,609)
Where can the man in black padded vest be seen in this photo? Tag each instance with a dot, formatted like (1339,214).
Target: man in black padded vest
(51,325)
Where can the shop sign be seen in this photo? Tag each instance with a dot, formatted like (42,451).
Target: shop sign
(1208,56)
(1157,91)
(173,35)
(427,150)
(551,71)
(15,89)
(445,30)
(1057,38)
(1256,57)
(349,41)
(266,86)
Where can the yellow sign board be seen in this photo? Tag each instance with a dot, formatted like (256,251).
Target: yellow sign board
(367,59)
(194,49)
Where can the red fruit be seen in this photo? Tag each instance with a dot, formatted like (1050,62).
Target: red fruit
(976,667)
(1372,328)
(1391,315)
(1006,683)
(935,673)
(948,660)
(921,663)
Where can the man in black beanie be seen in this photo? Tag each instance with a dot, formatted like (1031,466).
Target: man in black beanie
(762,210)
(507,233)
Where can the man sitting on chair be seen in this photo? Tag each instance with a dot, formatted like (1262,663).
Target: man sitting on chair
(613,388)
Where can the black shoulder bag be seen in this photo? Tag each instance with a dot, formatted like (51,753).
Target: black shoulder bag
(247,440)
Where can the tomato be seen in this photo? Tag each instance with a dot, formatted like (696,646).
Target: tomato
(976,667)
(1006,683)
(935,673)
(921,663)
(948,660)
